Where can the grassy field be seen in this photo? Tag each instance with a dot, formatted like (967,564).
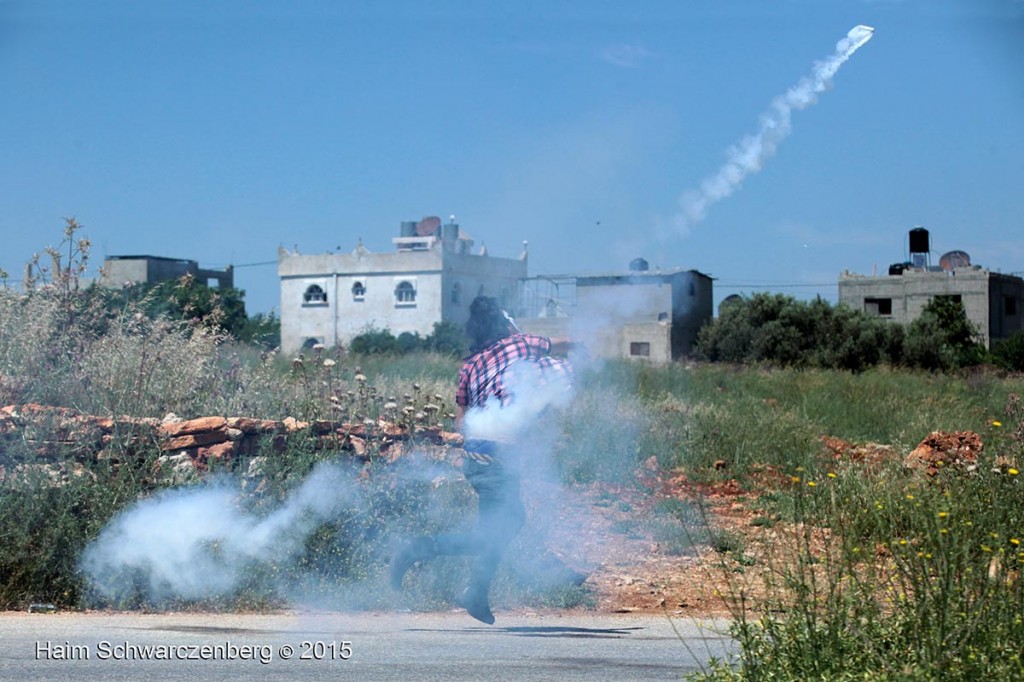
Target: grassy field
(886,575)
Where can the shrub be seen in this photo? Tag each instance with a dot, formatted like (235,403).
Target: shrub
(779,330)
(373,341)
(447,338)
(1009,352)
(942,338)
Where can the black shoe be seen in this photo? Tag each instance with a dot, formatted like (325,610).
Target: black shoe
(475,603)
(418,549)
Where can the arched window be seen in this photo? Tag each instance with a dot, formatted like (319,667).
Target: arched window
(405,292)
(358,290)
(314,294)
(456,293)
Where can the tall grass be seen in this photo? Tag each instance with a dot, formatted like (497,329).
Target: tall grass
(874,573)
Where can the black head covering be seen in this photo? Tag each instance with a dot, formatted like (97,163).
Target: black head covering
(487,323)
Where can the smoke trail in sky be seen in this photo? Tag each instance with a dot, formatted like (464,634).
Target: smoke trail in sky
(750,153)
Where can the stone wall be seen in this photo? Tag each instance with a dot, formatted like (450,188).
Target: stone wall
(50,434)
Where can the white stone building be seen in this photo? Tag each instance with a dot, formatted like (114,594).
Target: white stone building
(431,276)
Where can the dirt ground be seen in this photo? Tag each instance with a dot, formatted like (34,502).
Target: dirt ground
(611,534)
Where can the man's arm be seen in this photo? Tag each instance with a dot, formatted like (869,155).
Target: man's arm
(561,345)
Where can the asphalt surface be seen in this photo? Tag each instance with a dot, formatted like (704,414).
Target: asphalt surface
(360,646)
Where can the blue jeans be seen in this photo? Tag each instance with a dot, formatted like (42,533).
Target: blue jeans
(500,516)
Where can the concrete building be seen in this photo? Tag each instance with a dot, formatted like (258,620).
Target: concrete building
(993,302)
(652,316)
(120,270)
(431,276)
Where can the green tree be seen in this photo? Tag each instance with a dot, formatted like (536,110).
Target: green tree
(188,299)
(1008,353)
(779,330)
(942,338)
(447,338)
(261,330)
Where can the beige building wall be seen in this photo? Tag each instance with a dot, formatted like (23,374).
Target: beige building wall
(120,270)
(651,316)
(992,301)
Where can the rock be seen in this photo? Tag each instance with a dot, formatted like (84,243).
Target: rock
(956,450)
(292,425)
(195,440)
(193,426)
(224,450)
(177,468)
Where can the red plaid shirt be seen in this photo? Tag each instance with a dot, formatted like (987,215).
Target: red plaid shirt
(482,375)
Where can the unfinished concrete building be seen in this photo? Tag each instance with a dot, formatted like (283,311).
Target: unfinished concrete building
(993,301)
(642,314)
(121,270)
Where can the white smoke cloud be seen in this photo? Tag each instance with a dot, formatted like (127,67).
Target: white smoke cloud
(749,154)
(535,391)
(197,542)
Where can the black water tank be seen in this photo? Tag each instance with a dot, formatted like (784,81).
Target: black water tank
(899,268)
(919,240)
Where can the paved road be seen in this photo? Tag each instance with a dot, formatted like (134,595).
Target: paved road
(356,646)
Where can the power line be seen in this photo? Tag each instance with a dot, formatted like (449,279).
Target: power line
(253,265)
(772,285)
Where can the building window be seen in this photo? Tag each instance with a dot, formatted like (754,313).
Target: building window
(314,294)
(358,291)
(456,293)
(405,292)
(693,289)
(662,317)
(878,306)
(1009,306)
(640,349)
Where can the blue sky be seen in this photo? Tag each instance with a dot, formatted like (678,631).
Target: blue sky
(217,131)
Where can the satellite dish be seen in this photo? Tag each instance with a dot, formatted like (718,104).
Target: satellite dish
(428,226)
(954,259)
